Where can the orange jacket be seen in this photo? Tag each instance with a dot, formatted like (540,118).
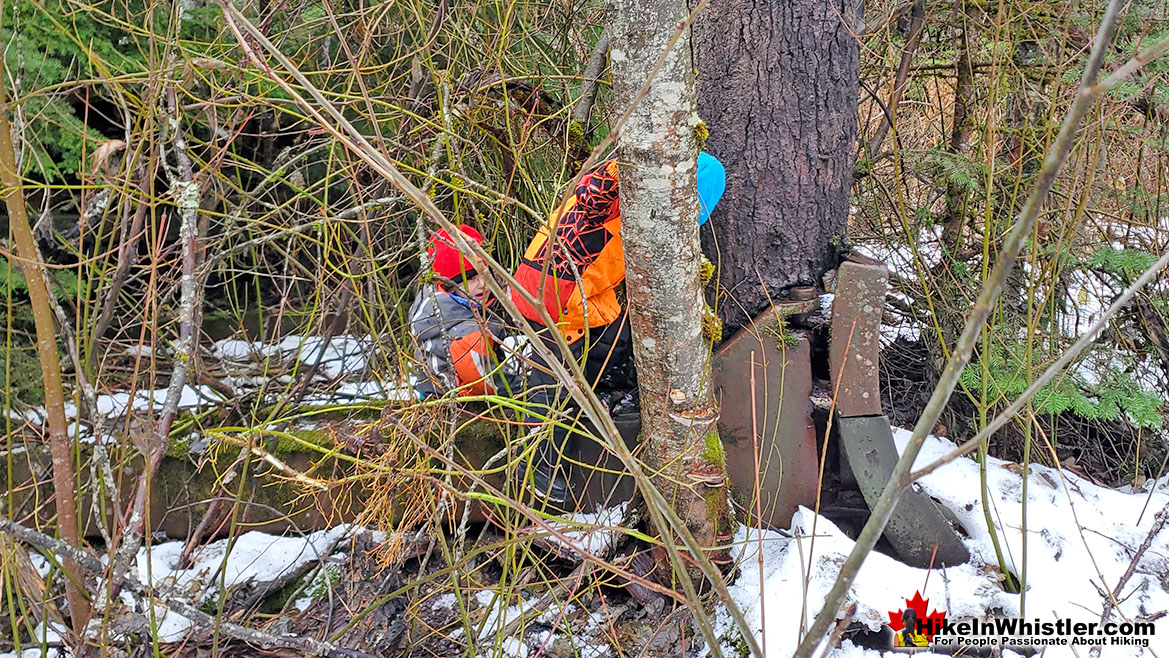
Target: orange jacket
(453,349)
(587,261)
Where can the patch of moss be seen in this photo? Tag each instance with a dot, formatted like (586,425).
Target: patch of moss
(312,586)
(287,444)
(780,331)
(712,326)
(862,169)
(701,134)
(713,450)
(738,643)
(179,447)
(210,605)
(576,135)
(715,498)
(22,370)
(742,501)
(705,270)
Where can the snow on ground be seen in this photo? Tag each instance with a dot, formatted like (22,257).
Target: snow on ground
(1088,293)
(591,533)
(496,610)
(114,406)
(1065,565)
(356,392)
(50,636)
(342,355)
(904,258)
(1092,295)
(255,558)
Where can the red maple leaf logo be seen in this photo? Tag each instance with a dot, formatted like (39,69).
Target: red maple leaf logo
(930,623)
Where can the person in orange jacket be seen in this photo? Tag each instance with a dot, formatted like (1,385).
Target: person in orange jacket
(453,335)
(575,277)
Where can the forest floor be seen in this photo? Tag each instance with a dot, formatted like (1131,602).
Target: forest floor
(1083,540)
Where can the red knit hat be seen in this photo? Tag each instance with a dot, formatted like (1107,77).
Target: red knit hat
(448,261)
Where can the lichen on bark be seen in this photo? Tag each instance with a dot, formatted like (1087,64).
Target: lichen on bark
(658,147)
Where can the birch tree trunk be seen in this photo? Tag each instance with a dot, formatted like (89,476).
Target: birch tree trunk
(659,210)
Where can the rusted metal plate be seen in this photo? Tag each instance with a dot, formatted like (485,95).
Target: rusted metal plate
(782,435)
(856,337)
(916,526)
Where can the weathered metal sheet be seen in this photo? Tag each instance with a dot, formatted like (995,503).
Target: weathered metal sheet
(856,337)
(782,434)
(598,476)
(916,526)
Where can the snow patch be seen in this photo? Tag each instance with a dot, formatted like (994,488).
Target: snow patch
(784,579)
(341,355)
(591,533)
(139,350)
(444,602)
(254,558)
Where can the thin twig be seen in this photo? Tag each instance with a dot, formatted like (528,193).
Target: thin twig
(308,645)
(127,256)
(1159,523)
(917,20)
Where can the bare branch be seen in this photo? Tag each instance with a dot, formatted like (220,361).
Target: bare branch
(64,478)
(591,79)
(308,645)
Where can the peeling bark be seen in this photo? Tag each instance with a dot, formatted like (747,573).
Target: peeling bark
(777,84)
(659,209)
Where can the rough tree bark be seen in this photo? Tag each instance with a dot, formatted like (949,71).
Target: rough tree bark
(777,85)
(659,209)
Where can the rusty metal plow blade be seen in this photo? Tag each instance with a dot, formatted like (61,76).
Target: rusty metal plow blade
(917,526)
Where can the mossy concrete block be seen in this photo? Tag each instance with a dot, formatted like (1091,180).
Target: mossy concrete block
(260,498)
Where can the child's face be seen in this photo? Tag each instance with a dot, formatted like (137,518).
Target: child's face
(476,288)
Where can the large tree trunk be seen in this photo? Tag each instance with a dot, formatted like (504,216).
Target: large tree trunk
(659,210)
(777,86)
